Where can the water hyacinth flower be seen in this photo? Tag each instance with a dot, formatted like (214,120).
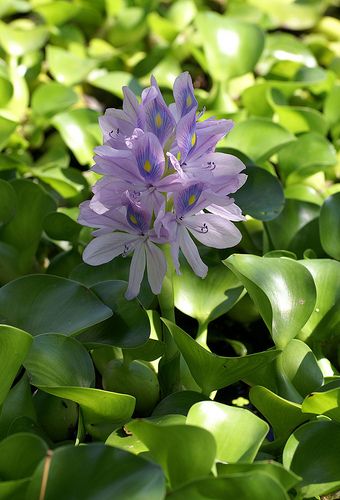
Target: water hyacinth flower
(162,183)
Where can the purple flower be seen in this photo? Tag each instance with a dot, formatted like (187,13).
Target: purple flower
(162,183)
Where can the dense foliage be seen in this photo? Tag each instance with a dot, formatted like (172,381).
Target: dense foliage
(236,395)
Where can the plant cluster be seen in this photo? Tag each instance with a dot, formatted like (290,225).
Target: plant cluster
(226,386)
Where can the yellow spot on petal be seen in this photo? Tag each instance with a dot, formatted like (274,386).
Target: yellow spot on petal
(158,120)
(178,156)
(192,199)
(188,101)
(147,166)
(133,219)
(193,139)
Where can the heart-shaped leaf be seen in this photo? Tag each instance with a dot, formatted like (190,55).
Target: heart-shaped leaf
(238,432)
(282,289)
(8,202)
(51,98)
(19,455)
(68,68)
(34,304)
(330,226)
(323,403)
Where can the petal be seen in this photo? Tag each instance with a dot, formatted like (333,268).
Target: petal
(186,134)
(190,252)
(149,157)
(209,132)
(116,125)
(184,94)
(158,117)
(117,163)
(130,104)
(156,266)
(138,218)
(213,231)
(230,212)
(137,269)
(106,247)
(187,199)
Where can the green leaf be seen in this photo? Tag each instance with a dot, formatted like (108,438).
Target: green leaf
(19,455)
(75,127)
(51,98)
(330,226)
(6,129)
(57,12)
(8,202)
(57,360)
(323,403)
(6,91)
(282,289)
(332,106)
(275,470)
(68,68)
(206,300)
(326,275)
(129,325)
(34,304)
(103,411)
(309,154)
(248,486)
(23,231)
(97,471)
(247,137)
(211,371)
(17,41)
(232,48)
(185,452)
(59,226)
(113,82)
(267,206)
(312,452)
(68,182)
(238,432)
(178,403)
(283,415)
(14,346)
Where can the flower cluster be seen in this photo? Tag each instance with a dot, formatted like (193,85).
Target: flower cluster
(161,183)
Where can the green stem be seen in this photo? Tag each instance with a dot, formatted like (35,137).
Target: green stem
(202,334)
(166,297)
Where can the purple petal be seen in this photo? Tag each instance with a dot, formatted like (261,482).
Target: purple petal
(118,163)
(156,266)
(187,199)
(184,94)
(209,132)
(137,269)
(158,118)
(186,134)
(149,157)
(116,125)
(138,219)
(105,248)
(130,104)
(213,231)
(190,252)
(231,212)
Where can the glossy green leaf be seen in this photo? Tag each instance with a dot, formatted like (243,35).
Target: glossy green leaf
(57,12)
(332,106)
(58,360)
(206,300)
(323,403)
(238,432)
(68,182)
(59,226)
(232,48)
(6,91)
(77,128)
(326,275)
(267,206)
(18,41)
(298,119)
(6,129)
(23,231)
(8,202)
(211,371)
(102,411)
(19,455)
(14,490)
(330,226)
(307,155)
(312,452)
(129,325)
(51,98)
(275,470)
(247,137)
(282,289)
(185,452)
(98,471)
(248,486)
(68,68)
(34,303)
(178,403)
(17,402)
(14,346)
(283,415)
(114,81)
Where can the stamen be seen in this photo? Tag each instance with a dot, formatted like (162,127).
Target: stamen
(211,165)
(204,228)
(112,132)
(126,251)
